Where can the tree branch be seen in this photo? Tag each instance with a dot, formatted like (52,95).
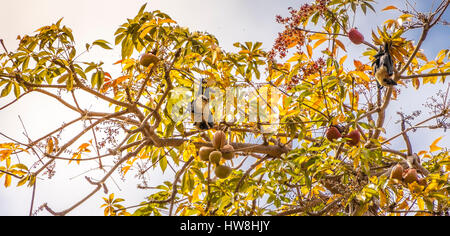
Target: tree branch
(69,143)
(99,183)
(425,75)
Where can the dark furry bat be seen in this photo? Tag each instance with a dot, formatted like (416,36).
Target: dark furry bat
(383,67)
(200,112)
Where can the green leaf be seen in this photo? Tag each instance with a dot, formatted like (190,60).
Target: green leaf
(198,173)
(23,181)
(364,125)
(142,9)
(370,6)
(6,90)
(20,166)
(163,164)
(119,38)
(32,180)
(63,78)
(94,79)
(25,63)
(364,8)
(16,89)
(68,32)
(100,79)
(72,53)
(353,5)
(69,82)
(102,43)
(429,204)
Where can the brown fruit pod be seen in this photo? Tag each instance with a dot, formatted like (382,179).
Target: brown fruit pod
(204,153)
(147,59)
(397,172)
(222,172)
(219,140)
(354,137)
(215,157)
(410,176)
(227,152)
(333,133)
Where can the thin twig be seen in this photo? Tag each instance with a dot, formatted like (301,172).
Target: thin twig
(32,198)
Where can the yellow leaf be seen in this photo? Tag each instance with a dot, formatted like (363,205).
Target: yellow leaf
(434,147)
(111,197)
(358,65)
(7,145)
(7,180)
(160,22)
(49,148)
(403,205)
(341,45)
(405,16)
(4,154)
(422,153)
(317,36)
(319,42)
(421,204)
(390,22)
(83,146)
(309,49)
(427,66)
(292,44)
(416,83)
(23,181)
(125,169)
(342,60)
(391,7)
(197,192)
(296,57)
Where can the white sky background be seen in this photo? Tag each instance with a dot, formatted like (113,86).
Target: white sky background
(229,20)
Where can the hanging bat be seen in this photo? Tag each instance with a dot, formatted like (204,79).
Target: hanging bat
(200,112)
(383,67)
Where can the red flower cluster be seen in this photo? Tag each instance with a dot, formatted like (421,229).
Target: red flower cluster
(292,35)
(285,41)
(312,67)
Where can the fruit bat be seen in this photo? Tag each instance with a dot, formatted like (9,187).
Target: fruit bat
(200,112)
(383,67)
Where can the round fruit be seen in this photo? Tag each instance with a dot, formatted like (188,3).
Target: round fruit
(215,157)
(147,59)
(410,176)
(227,152)
(219,140)
(355,36)
(354,137)
(333,133)
(222,172)
(204,153)
(397,172)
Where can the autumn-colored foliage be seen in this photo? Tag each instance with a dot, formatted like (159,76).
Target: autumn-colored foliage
(287,167)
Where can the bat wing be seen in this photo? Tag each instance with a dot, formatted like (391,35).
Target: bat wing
(377,61)
(386,61)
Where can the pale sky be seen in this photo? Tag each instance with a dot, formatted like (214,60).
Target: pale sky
(229,20)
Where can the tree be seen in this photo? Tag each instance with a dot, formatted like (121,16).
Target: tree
(286,167)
